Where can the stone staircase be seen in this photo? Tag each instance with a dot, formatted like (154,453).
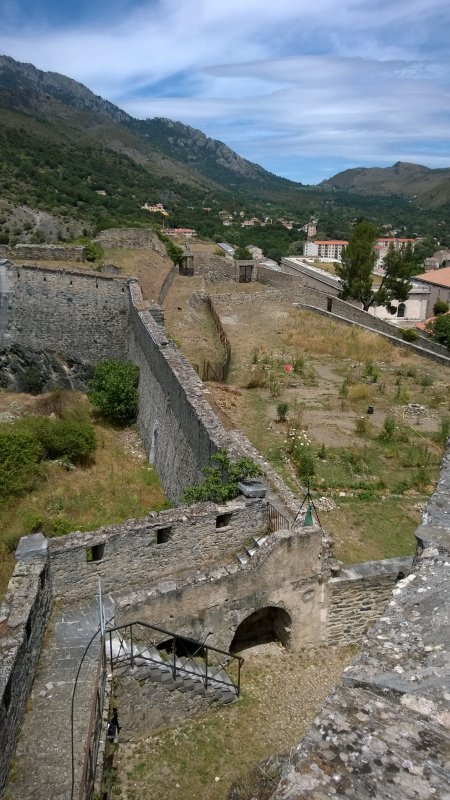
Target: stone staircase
(249,552)
(183,674)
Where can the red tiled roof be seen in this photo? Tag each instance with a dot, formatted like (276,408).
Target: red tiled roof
(438,277)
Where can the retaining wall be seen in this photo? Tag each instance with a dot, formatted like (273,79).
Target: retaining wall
(358,597)
(342,311)
(84,316)
(43,252)
(23,618)
(142,552)
(178,427)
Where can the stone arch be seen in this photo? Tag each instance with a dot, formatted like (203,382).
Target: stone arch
(267,624)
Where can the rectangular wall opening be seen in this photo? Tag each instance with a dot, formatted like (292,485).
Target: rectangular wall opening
(223,520)
(163,535)
(7,696)
(95,553)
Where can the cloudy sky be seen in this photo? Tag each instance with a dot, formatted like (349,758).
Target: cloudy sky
(304,88)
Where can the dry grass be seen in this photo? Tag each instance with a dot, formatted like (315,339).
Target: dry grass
(118,485)
(322,337)
(201,758)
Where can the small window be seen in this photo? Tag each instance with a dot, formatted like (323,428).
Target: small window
(223,520)
(95,553)
(7,696)
(401,310)
(162,535)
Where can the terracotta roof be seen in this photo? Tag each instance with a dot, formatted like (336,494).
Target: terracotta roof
(424,323)
(439,277)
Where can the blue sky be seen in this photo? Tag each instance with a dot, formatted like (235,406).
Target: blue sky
(306,89)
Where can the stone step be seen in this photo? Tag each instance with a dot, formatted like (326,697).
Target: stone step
(243,558)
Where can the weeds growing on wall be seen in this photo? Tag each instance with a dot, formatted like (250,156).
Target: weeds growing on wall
(221,479)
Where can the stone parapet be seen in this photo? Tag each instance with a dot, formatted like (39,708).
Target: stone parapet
(23,618)
(385,731)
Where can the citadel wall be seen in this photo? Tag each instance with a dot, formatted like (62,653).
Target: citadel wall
(45,252)
(334,308)
(24,615)
(81,315)
(143,552)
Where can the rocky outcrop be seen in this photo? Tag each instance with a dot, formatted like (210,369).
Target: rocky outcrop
(26,370)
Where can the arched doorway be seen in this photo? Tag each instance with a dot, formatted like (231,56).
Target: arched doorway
(401,310)
(268,624)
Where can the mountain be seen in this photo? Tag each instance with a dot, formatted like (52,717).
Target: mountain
(170,147)
(428,188)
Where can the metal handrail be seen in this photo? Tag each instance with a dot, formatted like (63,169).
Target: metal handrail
(276,520)
(207,677)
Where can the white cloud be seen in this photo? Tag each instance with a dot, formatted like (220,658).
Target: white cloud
(354,80)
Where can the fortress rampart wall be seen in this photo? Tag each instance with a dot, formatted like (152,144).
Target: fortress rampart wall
(84,316)
(24,614)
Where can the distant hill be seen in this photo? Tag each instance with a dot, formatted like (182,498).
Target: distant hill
(169,147)
(428,188)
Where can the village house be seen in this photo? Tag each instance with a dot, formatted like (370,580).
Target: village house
(438,283)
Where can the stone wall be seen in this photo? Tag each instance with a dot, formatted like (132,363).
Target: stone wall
(142,238)
(43,252)
(178,427)
(216,268)
(142,552)
(167,283)
(358,597)
(285,573)
(335,309)
(23,618)
(81,315)
(385,731)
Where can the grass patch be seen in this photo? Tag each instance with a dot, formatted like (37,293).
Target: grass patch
(367,530)
(116,486)
(201,758)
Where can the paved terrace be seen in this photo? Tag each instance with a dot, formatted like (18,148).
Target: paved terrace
(42,766)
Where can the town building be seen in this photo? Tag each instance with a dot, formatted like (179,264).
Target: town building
(438,282)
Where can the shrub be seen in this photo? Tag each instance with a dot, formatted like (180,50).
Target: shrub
(409,335)
(20,453)
(65,438)
(440,307)
(114,390)
(221,479)
(282,410)
(389,428)
(305,464)
(361,426)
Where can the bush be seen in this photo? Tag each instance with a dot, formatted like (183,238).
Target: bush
(20,453)
(282,410)
(440,307)
(65,438)
(221,479)
(409,335)
(114,390)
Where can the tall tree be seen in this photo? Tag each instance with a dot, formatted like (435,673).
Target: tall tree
(358,261)
(356,270)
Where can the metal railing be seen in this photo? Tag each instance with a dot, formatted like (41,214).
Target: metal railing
(141,644)
(95,726)
(276,521)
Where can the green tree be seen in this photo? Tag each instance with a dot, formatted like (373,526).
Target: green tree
(440,329)
(440,307)
(356,270)
(114,390)
(395,285)
(243,254)
(356,267)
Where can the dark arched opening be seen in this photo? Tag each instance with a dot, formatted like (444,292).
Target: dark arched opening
(401,310)
(269,624)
